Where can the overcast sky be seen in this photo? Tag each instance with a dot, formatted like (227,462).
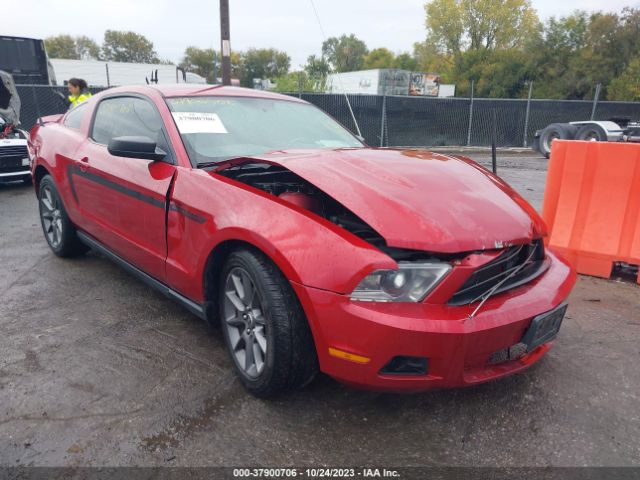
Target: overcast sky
(288,25)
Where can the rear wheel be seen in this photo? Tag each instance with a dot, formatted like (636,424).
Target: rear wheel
(58,229)
(264,326)
(592,132)
(555,131)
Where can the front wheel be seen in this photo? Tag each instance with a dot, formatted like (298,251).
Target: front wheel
(264,326)
(58,229)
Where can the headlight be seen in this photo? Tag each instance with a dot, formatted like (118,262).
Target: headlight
(410,283)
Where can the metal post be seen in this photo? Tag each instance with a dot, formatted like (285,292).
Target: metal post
(595,101)
(225,37)
(526,115)
(494,135)
(106,67)
(215,69)
(383,117)
(470,115)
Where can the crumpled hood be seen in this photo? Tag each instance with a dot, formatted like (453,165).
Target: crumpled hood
(418,199)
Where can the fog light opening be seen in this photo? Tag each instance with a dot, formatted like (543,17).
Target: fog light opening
(403,365)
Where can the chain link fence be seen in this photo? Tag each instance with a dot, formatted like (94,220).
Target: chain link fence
(42,100)
(405,121)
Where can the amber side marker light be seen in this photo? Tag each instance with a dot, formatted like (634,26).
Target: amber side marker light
(352,357)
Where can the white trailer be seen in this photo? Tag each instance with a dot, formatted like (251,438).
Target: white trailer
(586,130)
(106,74)
(388,81)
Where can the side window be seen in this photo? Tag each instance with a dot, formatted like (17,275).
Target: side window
(127,116)
(74,118)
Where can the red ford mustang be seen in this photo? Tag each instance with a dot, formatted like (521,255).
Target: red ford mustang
(389,269)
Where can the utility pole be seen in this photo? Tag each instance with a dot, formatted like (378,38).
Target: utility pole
(215,68)
(225,37)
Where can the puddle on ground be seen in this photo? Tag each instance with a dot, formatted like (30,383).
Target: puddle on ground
(183,426)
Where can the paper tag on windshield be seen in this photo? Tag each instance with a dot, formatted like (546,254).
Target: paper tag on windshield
(195,122)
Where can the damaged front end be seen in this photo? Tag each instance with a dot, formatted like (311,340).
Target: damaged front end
(476,273)
(286,185)
(290,187)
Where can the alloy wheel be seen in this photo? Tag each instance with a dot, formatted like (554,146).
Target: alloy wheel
(51,216)
(245,322)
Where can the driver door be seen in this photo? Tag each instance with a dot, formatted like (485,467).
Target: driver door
(124,199)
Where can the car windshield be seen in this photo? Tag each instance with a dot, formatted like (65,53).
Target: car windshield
(219,128)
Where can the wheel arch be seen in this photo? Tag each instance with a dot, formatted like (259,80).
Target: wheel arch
(38,174)
(213,267)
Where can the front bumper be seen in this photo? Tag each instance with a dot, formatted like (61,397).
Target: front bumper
(458,348)
(15,175)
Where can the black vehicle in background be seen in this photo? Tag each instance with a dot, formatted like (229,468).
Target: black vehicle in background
(25,59)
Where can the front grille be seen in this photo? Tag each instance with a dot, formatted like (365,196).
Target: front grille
(14,169)
(14,151)
(526,260)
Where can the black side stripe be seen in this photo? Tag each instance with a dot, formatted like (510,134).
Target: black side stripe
(120,188)
(70,170)
(74,170)
(187,214)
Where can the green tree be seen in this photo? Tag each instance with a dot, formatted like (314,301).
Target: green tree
(262,63)
(432,60)
(299,81)
(497,74)
(132,47)
(74,48)
(627,85)
(580,50)
(200,61)
(553,53)
(379,58)
(344,54)
(61,46)
(317,67)
(457,25)
(87,48)
(406,61)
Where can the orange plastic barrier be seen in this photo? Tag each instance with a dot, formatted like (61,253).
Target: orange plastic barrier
(592,204)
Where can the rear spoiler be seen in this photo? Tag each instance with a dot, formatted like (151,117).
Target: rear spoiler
(51,118)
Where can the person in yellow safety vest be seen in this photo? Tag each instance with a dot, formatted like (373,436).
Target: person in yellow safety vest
(78,92)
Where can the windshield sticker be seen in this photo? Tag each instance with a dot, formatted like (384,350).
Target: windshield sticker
(195,122)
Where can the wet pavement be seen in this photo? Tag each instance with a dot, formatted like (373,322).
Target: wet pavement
(97,369)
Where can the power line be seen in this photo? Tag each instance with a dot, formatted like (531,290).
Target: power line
(324,38)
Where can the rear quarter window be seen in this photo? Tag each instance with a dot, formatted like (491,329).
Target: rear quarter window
(74,118)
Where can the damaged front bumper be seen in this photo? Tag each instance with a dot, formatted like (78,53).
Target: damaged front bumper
(357,341)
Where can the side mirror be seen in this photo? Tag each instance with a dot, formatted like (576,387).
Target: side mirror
(135,147)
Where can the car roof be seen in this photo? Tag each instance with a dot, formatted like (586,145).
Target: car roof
(192,90)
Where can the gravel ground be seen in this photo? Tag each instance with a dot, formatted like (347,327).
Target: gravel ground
(97,369)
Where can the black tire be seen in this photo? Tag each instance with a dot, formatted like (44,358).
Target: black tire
(289,358)
(591,132)
(58,230)
(555,131)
